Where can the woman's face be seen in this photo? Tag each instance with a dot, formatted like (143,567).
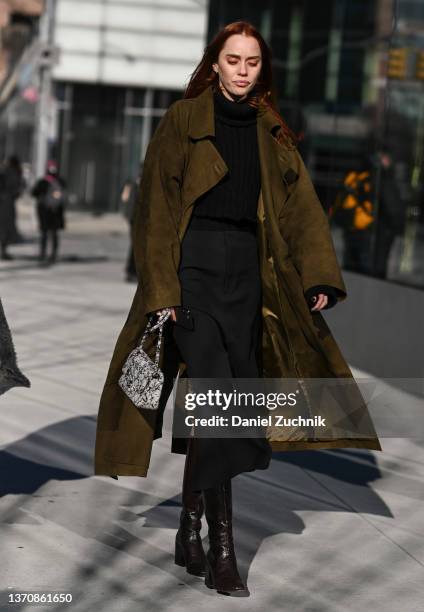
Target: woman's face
(239,65)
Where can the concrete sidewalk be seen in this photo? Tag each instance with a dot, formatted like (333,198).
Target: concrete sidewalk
(318,531)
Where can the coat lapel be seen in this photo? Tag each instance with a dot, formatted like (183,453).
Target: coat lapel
(206,167)
(273,169)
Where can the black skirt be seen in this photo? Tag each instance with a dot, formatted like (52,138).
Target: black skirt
(220,282)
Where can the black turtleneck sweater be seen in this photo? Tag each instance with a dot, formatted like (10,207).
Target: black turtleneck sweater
(232,203)
(235,198)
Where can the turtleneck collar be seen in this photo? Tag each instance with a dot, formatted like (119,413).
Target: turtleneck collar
(236,113)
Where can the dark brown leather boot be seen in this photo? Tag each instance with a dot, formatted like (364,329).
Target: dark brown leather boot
(221,564)
(189,551)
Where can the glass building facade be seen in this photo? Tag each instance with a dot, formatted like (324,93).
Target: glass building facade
(350,80)
(103,132)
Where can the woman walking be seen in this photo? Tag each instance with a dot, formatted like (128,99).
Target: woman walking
(50,195)
(230,236)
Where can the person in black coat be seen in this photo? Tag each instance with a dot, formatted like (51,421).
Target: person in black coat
(51,200)
(391,213)
(129,196)
(11,187)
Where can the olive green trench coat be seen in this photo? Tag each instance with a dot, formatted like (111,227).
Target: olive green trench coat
(296,253)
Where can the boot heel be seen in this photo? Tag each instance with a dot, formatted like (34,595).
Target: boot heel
(179,554)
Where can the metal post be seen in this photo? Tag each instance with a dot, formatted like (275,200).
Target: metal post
(147,121)
(45,88)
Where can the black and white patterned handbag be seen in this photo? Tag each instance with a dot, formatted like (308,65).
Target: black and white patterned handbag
(141,378)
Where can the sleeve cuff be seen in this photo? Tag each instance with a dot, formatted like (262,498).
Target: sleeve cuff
(331,293)
(153,303)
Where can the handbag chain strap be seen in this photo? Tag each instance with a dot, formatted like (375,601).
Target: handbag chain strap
(149,328)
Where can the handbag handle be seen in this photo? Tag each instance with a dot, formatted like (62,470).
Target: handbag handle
(149,328)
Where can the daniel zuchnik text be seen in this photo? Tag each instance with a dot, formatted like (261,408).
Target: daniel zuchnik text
(236,420)
(225,400)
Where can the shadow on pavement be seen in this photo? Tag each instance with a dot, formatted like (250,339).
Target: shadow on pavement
(265,502)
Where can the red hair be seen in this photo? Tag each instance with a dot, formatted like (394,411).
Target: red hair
(264,92)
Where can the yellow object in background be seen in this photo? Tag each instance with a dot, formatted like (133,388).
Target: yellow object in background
(397,64)
(363,216)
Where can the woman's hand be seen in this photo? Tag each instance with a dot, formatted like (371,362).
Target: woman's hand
(320,301)
(173,316)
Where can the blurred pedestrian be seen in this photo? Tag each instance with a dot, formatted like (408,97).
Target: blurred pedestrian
(391,213)
(50,192)
(11,187)
(129,195)
(15,184)
(6,217)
